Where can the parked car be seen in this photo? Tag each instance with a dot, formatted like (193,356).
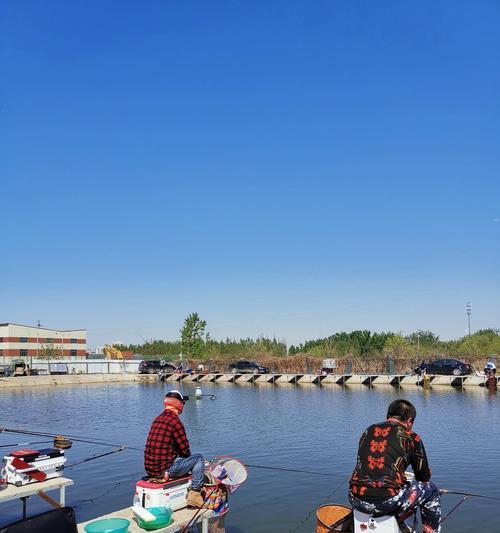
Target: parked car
(153,366)
(247,367)
(448,367)
(5,370)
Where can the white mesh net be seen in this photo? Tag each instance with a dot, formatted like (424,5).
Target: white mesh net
(228,471)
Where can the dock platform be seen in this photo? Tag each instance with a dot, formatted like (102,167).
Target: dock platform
(206,521)
(345,380)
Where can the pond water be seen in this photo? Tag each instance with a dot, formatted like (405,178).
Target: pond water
(300,427)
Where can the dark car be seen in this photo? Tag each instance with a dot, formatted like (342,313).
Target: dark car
(247,367)
(449,367)
(153,366)
(5,370)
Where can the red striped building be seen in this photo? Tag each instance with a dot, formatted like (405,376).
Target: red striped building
(18,342)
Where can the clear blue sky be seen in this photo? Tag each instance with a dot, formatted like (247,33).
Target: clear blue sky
(286,168)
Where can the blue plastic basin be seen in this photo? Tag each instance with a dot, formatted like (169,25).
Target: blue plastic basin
(108,525)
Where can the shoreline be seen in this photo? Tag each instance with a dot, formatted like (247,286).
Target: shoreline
(73,379)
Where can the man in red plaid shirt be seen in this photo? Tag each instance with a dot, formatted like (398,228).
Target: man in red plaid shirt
(167,453)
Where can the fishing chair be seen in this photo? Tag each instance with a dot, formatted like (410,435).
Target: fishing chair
(61,520)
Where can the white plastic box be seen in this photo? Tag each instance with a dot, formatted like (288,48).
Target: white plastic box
(171,494)
(50,461)
(365,523)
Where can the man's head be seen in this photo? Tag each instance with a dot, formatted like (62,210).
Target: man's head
(402,410)
(175,401)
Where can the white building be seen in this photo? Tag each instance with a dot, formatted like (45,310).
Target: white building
(17,341)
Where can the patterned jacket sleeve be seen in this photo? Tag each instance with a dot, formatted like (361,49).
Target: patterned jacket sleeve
(419,461)
(181,440)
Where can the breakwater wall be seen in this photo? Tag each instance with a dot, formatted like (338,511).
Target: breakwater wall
(333,379)
(73,379)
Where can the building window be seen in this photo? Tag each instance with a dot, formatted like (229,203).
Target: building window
(23,339)
(72,353)
(1,353)
(49,341)
(73,341)
(1,339)
(23,353)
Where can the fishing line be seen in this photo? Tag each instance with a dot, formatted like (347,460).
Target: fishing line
(105,493)
(296,471)
(325,499)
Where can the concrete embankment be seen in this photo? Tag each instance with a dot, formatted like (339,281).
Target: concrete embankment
(73,379)
(334,379)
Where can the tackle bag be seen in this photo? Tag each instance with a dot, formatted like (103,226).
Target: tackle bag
(61,520)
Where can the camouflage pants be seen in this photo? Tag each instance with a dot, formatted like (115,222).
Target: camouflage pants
(415,494)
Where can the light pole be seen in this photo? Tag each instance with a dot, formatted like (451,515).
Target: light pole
(468,310)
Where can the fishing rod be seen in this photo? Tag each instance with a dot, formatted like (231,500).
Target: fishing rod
(76,438)
(469,494)
(121,447)
(95,456)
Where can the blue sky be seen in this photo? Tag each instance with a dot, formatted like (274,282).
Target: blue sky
(282,168)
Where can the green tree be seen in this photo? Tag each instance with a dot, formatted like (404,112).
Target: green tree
(482,343)
(192,332)
(50,351)
(399,346)
(423,338)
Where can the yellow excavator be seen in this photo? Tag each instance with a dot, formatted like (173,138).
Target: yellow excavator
(112,352)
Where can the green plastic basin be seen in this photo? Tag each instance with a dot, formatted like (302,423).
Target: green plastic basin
(108,525)
(163,518)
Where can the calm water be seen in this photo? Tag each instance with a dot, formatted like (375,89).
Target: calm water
(304,427)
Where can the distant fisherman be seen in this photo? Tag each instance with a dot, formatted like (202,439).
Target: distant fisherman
(423,368)
(490,369)
(378,484)
(167,453)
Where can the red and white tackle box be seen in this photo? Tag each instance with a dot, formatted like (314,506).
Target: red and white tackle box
(171,494)
(26,466)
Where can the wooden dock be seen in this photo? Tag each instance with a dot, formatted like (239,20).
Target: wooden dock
(344,380)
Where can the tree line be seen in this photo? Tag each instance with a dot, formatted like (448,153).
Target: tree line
(195,342)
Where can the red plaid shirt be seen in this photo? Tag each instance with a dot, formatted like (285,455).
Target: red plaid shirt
(166,441)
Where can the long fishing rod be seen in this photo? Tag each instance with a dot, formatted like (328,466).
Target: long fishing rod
(469,494)
(95,456)
(76,438)
(121,447)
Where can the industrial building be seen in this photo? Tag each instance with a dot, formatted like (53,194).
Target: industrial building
(18,342)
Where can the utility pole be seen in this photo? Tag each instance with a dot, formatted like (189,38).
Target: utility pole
(468,310)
